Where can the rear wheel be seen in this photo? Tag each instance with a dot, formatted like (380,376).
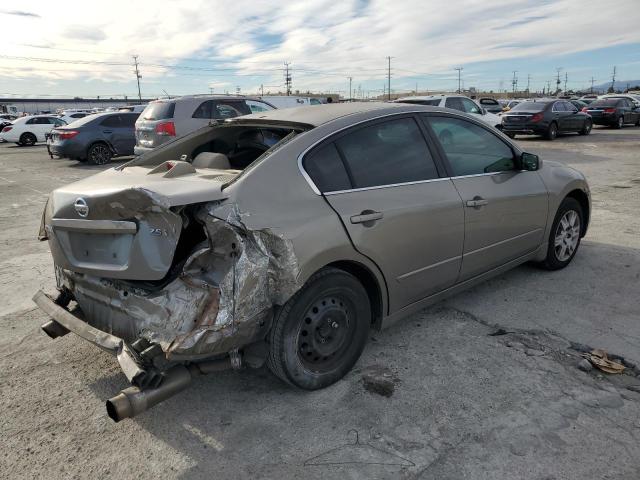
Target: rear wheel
(552,131)
(586,129)
(319,334)
(564,238)
(27,139)
(99,154)
(620,122)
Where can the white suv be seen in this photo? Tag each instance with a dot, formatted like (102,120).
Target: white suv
(456,102)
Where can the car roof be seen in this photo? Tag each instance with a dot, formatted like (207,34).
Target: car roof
(316,115)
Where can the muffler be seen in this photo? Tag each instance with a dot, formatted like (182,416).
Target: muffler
(133,401)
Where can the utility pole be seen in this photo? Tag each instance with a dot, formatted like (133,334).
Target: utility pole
(558,82)
(514,82)
(389,78)
(350,94)
(566,75)
(287,78)
(211,90)
(528,82)
(459,69)
(548,87)
(262,89)
(613,80)
(592,80)
(138,76)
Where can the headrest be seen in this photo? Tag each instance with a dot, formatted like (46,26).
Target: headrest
(218,161)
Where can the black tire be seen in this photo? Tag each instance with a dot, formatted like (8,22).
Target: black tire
(99,154)
(28,139)
(619,123)
(552,132)
(554,260)
(586,128)
(510,135)
(319,334)
(638,121)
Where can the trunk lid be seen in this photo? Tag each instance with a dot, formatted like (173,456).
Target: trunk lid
(120,224)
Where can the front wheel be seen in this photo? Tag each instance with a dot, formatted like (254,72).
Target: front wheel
(564,238)
(586,129)
(319,334)
(552,132)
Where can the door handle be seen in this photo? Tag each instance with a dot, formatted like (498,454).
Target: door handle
(477,202)
(107,131)
(366,216)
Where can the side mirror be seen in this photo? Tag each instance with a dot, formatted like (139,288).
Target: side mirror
(530,162)
(483,110)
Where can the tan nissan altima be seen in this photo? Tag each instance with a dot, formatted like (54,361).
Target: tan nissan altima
(286,236)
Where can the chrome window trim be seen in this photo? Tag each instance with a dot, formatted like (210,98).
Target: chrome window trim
(451,112)
(390,185)
(335,132)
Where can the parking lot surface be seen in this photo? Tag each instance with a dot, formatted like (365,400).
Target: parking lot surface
(467,404)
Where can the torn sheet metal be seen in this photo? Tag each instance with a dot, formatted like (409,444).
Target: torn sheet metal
(222,300)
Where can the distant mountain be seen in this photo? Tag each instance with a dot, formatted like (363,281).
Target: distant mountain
(619,85)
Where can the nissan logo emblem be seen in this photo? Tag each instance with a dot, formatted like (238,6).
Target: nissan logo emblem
(81,207)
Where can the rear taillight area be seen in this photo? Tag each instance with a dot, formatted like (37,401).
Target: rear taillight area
(609,110)
(6,129)
(166,128)
(537,117)
(584,109)
(67,134)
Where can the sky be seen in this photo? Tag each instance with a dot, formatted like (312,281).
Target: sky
(86,48)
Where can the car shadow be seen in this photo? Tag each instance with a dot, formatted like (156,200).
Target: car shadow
(245,423)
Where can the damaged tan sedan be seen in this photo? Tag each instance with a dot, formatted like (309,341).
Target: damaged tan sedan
(286,236)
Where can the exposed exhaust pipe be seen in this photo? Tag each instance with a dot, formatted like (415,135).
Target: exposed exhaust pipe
(133,401)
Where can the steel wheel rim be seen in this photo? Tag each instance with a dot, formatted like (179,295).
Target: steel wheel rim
(620,122)
(554,131)
(588,127)
(325,333)
(29,140)
(100,154)
(567,235)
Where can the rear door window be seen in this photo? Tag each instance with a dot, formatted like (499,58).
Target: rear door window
(558,107)
(256,106)
(471,149)
(221,109)
(326,169)
(113,121)
(455,103)
(387,153)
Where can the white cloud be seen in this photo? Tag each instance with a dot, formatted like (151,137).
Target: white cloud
(325,40)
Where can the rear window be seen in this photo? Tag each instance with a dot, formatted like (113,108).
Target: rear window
(159,111)
(530,107)
(221,109)
(488,101)
(609,102)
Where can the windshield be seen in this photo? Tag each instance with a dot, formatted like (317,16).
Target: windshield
(158,111)
(529,107)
